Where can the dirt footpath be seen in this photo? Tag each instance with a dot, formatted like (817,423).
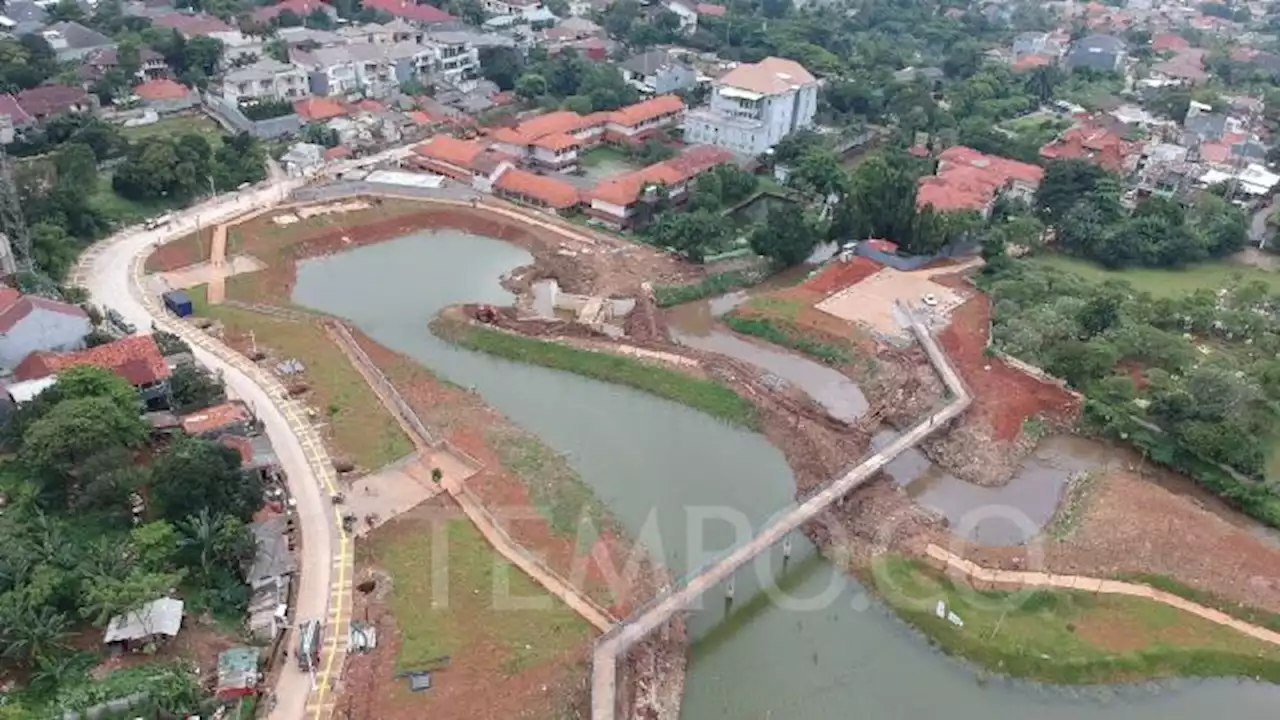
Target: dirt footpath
(1159,523)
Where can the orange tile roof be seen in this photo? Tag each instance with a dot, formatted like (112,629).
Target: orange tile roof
(216,418)
(969,180)
(1169,41)
(557,142)
(367,105)
(161,89)
(643,112)
(446,148)
(419,117)
(1100,146)
(1215,153)
(770,76)
(1030,61)
(511,136)
(625,189)
(561,121)
(712,10)
(555,193)
(319,108)
(136,358)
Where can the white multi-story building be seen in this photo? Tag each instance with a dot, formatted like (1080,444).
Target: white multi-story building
(265,80)
(373,70)
(754,106)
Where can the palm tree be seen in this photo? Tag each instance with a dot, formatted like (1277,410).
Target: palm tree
(41,632)
(1040,83)
(200,535)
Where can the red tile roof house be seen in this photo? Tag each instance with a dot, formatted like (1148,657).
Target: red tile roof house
(1101,146)
(424,15)
(967,180)
(166,96)
(539,191)
(49,100)
(301,8)
(29,323)
(621,202)
(12,118)
(191,25)
(135,358)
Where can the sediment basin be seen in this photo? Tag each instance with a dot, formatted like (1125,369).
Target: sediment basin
(690,486)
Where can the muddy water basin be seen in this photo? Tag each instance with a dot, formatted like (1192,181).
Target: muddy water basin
(1009,514)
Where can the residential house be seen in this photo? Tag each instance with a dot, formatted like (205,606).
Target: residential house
(135,358)
(71,41)
(1034,43)
(301,8)
(623,201)
(657,72)
(1097,52)
(968,180)
(510,7)
(302,158)
(423,15)
(238,674)
(754,106)
(189,24)
(265,80)
(1187,67)
(238,48)
(47,101)
(1096,143)
(13,118)
(98,62)
(230,418)
(454,56)
(362,68)
(1168,42)
(1204,125)
(319,109)
(686,10)
(154,622)
(26,17)
(29,323)
(269,577)
(166,96)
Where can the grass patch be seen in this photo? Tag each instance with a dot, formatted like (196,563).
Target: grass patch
(783,333)
(123,210)
(469,613)
(174,126)
(353,417)
(1038,128)
(603,155)
(707,396)
(1165,283)
(718,284)
(1252,615)
(554,488)
(1070,637)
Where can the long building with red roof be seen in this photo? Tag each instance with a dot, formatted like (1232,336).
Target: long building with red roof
(553,141)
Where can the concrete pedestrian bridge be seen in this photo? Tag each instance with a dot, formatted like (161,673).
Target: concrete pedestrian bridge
(614,644)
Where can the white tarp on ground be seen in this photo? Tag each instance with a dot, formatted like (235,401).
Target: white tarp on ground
(407,179)
(1254,179)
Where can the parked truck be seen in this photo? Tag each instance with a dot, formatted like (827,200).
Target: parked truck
(178,302)
(308,651)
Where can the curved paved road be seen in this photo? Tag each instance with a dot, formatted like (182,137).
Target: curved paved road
(111,271)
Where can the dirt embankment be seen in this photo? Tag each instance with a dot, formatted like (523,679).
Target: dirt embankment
(546,505)
(817,446)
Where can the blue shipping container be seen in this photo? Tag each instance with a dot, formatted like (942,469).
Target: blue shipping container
(178,303)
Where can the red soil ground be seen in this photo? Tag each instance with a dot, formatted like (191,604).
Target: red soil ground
(1004,397)
(837,276)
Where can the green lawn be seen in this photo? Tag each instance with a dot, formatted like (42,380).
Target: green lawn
(1039,128)
(124,210)
(205,126)
(602,155)
(1208,276)
(1069,636)
(352,415)
(467,613)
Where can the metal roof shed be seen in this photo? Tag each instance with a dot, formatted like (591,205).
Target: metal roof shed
(238,672)
(158,617)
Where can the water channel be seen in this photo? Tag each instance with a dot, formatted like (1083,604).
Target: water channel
(691,486)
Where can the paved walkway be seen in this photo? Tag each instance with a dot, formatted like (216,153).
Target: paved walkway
(456,468)
(1014,579)
(217,288)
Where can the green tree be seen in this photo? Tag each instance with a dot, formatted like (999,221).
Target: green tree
(194,389)
(1065,183)
(156,545)
(72,432)
(319,20)
(194,474)
(109,595)
(210,543)
(31,634)
(501,66)
(788,236)
(531,86)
